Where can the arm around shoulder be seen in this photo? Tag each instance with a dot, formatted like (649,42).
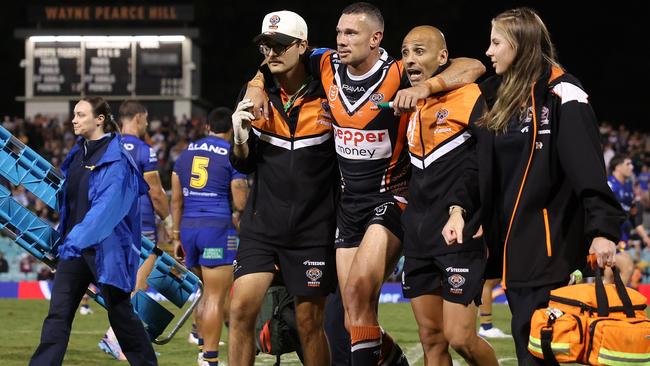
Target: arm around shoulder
(461,71)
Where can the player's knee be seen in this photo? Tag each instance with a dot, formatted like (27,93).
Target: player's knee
(461,340)
(356,293)
(432,338)
(242,314)
(309,325)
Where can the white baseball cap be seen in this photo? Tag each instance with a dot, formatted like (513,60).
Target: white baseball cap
(283,27)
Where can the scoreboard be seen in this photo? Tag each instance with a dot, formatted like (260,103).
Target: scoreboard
(124,66)
(57,68)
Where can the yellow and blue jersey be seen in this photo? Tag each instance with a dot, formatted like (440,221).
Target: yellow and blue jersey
(205,174)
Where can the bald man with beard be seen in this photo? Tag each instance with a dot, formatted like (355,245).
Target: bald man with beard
(444,282)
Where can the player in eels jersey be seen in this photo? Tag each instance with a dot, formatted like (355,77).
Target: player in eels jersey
(203,183)
(372,153)
(133,118)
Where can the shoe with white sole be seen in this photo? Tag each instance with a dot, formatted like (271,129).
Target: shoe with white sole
(493,332)
(111,348)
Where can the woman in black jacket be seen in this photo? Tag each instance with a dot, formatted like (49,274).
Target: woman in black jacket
(544,199)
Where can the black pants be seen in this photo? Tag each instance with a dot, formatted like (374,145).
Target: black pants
(70,283)
(523,302)
(338,337)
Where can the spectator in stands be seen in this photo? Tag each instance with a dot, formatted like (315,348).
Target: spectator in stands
(45,273)
(4,265)
(26,264)
(620,181)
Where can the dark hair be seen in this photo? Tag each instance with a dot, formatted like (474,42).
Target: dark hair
(220,120)
(129,108)
(100,107)
(616,160)
(365,8)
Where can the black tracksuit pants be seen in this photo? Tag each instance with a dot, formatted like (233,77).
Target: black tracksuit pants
(70,283)
(523,302)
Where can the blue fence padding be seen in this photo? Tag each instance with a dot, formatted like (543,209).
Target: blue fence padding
(23,166)
(28,230)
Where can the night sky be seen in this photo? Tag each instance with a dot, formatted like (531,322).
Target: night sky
(601,45)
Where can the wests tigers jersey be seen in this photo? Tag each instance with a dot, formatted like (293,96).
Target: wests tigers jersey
(439,141)
(370,143)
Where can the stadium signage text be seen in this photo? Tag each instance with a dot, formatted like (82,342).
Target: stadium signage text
(113,13)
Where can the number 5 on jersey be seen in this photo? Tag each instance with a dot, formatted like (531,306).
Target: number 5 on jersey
(199,172)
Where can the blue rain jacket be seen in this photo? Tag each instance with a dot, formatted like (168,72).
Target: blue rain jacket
(112,224)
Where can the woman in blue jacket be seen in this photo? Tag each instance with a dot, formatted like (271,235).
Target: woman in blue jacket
(100,230)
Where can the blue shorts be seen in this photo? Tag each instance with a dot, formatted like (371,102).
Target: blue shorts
(208,242)
(150,233)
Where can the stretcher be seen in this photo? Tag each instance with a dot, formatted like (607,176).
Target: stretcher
(20,165)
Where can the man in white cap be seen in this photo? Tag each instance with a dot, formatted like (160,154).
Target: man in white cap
(287,228)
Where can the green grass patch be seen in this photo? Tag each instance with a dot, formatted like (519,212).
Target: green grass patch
(22,321)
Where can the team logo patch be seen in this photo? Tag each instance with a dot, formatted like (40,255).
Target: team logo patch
(274,20)
(186,192)
(544,121)
(441,116)
(333,93)
(314,274)
(456,280)
(528,115)
(377,97)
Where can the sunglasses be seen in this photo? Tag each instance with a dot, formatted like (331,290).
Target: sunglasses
(278,49)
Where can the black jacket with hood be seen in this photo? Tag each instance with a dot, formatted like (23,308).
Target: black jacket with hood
(560,200)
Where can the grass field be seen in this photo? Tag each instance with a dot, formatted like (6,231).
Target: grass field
(22,320)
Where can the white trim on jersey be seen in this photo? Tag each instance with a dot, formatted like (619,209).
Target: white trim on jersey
(369,91)
(297,144)
(311,141)
(440,151)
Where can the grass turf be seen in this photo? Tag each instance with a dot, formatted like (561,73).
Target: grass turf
(22,320)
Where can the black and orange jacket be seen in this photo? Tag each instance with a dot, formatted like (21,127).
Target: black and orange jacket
(561,200)
(441,147)
(292,201)
(370,142)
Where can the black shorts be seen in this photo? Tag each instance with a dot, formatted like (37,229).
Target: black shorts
(355,214)
(459,275)
(305,271)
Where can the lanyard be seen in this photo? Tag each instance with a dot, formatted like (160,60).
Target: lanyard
(297,95)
